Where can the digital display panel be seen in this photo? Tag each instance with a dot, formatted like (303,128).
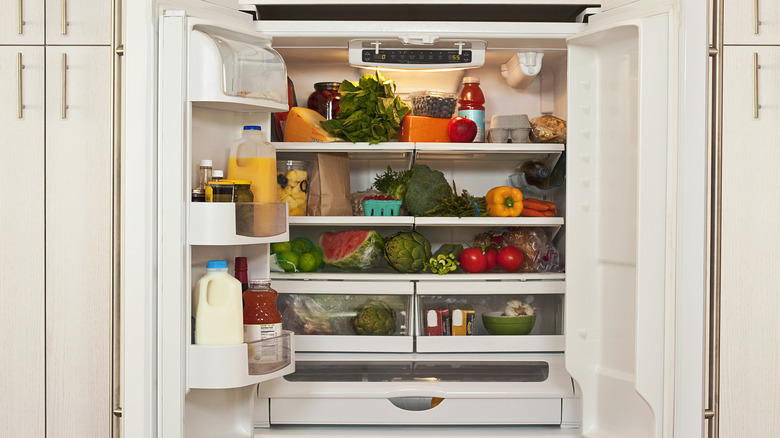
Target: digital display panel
(416,56)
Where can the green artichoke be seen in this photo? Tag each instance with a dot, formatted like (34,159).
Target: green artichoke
(407,251)
(375,318)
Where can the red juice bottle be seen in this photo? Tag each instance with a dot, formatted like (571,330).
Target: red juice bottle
(261,317)
(471,105)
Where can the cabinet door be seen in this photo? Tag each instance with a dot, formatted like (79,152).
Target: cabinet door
(22,23)
(78,22)
(750,245)
(751,22)
(78,240)
(22,242)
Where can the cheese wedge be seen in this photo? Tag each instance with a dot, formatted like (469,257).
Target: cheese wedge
(303,125)
(424,129)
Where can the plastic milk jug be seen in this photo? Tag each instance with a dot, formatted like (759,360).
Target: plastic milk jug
(217,307)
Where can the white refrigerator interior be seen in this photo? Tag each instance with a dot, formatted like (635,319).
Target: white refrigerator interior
(600,360)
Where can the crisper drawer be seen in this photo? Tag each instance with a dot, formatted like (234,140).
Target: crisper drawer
(347,316)
(449,316)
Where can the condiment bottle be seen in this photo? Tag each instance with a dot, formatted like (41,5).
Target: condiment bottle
(204,173)
(536,172)
(240,273)
(217,175)
(216,307)
(472,105)
(253,158)
(261,317)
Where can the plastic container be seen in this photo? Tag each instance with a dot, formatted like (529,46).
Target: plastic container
(253,158)
(217,307)
(204,173)
(325,99)
(431,103)
(471,105)
(375,207)
(509,129)
(292,179)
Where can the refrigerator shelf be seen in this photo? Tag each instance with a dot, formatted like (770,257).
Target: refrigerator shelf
(482,151)
(230,366)
(378,221)
(227,223)
(352,221)
(360,344)
(490,344)
(389,275)
(386,150)
(237,104)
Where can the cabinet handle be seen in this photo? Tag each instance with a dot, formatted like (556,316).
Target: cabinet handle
(64,17)
(64,83)
(19,67)
(755,17)
(756,106)
(21,17)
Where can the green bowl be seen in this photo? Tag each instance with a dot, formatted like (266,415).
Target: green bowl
(508,325)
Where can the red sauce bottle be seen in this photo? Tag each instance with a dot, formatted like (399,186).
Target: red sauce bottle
(261,317)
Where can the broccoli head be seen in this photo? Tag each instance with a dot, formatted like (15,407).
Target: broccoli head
(425,189)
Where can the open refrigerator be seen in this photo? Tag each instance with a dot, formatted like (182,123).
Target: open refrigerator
(602,359)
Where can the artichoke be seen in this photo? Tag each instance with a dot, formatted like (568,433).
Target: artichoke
(407,251)
(375,318)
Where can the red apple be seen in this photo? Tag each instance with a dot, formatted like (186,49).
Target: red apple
(462,130)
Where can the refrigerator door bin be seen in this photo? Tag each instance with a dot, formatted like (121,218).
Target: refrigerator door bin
(227,66)
(245,223)
(347,316)
(232,366)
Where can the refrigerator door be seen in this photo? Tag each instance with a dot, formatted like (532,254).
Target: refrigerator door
(620,218)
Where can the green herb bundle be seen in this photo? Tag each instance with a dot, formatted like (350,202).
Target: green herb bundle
(370,110)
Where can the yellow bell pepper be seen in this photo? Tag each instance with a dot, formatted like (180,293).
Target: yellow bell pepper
(504,201)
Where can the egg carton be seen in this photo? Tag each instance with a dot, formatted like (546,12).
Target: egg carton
(512,128)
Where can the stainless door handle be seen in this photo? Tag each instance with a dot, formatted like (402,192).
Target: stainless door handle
(19,67)
(755,17)
(64,17)
(756,106)
(20,16)
(64,83)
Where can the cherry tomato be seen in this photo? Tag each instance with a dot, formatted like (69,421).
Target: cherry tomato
(510,258)
(491,258)
(473,260)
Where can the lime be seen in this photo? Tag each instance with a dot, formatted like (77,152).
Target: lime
(278,247)
(301,245)
(288,260)
(308,262)
(317,253)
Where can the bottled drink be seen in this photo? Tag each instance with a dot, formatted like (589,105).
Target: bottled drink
(261,317)
(240,273)
(216,307)
(253,158)
(471,105)
(536,172)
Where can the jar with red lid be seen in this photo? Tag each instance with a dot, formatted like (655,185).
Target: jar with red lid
(325,99)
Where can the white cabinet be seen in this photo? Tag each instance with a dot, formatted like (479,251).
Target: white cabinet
(79,241)
(751,22)
(22,22)
(78,22)
(750,243)
(22,241)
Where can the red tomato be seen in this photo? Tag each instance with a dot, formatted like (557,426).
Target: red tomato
(473,260)
(510,259)
(491,258)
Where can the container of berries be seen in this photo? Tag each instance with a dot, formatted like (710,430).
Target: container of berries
(380,205)
(431,103)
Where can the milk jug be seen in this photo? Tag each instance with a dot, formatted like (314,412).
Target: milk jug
(253,158)
(217,307)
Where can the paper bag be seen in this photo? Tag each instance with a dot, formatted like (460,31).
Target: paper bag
(329,186)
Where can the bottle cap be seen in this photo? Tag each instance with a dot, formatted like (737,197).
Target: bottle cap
(217,174)
(205,163)
(240,263)
(252,128)
(216,264)
(471,80)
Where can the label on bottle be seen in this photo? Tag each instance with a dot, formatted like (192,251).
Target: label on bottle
(268,351)
(478,116)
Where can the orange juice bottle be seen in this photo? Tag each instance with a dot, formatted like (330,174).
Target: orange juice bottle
(253,158)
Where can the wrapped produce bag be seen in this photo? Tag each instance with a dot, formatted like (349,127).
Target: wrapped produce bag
(329,193)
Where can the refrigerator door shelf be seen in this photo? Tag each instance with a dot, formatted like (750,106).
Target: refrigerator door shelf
(230,366)
(227,223)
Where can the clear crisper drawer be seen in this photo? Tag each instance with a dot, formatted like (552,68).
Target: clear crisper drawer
(347,316)
(471,316)
(238,65)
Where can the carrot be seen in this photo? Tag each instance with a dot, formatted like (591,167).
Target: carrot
(538,204)
(531,213)
(548,213)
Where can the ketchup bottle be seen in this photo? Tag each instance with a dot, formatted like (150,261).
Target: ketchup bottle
(240,273)
(261,317)
(471,105)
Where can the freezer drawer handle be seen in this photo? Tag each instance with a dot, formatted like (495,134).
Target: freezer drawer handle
(20,17)
(416,403)
(756,21)
(756,106)
(64,85)
(64,17)
(19,103)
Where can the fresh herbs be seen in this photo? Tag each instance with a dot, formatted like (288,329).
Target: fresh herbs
(393,183)
(370,110)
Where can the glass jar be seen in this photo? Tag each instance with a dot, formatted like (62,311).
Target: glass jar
(242,191)
(219,191)
(325,99)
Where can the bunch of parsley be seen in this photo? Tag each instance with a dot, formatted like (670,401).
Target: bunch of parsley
(370,110)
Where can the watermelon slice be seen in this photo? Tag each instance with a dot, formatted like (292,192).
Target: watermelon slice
(352,250)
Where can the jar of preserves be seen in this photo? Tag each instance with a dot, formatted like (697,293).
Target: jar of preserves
(242,191)
(219,191)
(325,99)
